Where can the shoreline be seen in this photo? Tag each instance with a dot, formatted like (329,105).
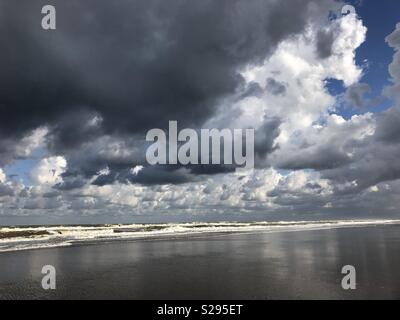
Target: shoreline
(41,244)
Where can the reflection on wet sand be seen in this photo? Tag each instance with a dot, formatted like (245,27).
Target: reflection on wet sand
(287,265)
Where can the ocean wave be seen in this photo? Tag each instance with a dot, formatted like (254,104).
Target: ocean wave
(39,237)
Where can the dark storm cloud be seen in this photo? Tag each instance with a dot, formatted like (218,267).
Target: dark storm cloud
(6,190)
(147,176)
(75,128)
(265,136)
(8,151)
(388,129)
(158,175)
(318,158)
(136,63)
(70,183)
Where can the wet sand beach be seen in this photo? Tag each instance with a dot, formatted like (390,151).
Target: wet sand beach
(282,265)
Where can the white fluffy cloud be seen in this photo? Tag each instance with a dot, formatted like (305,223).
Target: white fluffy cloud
(48,171)
(293,89)
(299,71)
(238,192)
(2,176)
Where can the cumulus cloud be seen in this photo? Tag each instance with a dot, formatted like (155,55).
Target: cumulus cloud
(49,171)
(374,158)
(113,72)
(295,109)
(326,146)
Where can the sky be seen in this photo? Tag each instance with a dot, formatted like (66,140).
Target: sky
(320,89)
